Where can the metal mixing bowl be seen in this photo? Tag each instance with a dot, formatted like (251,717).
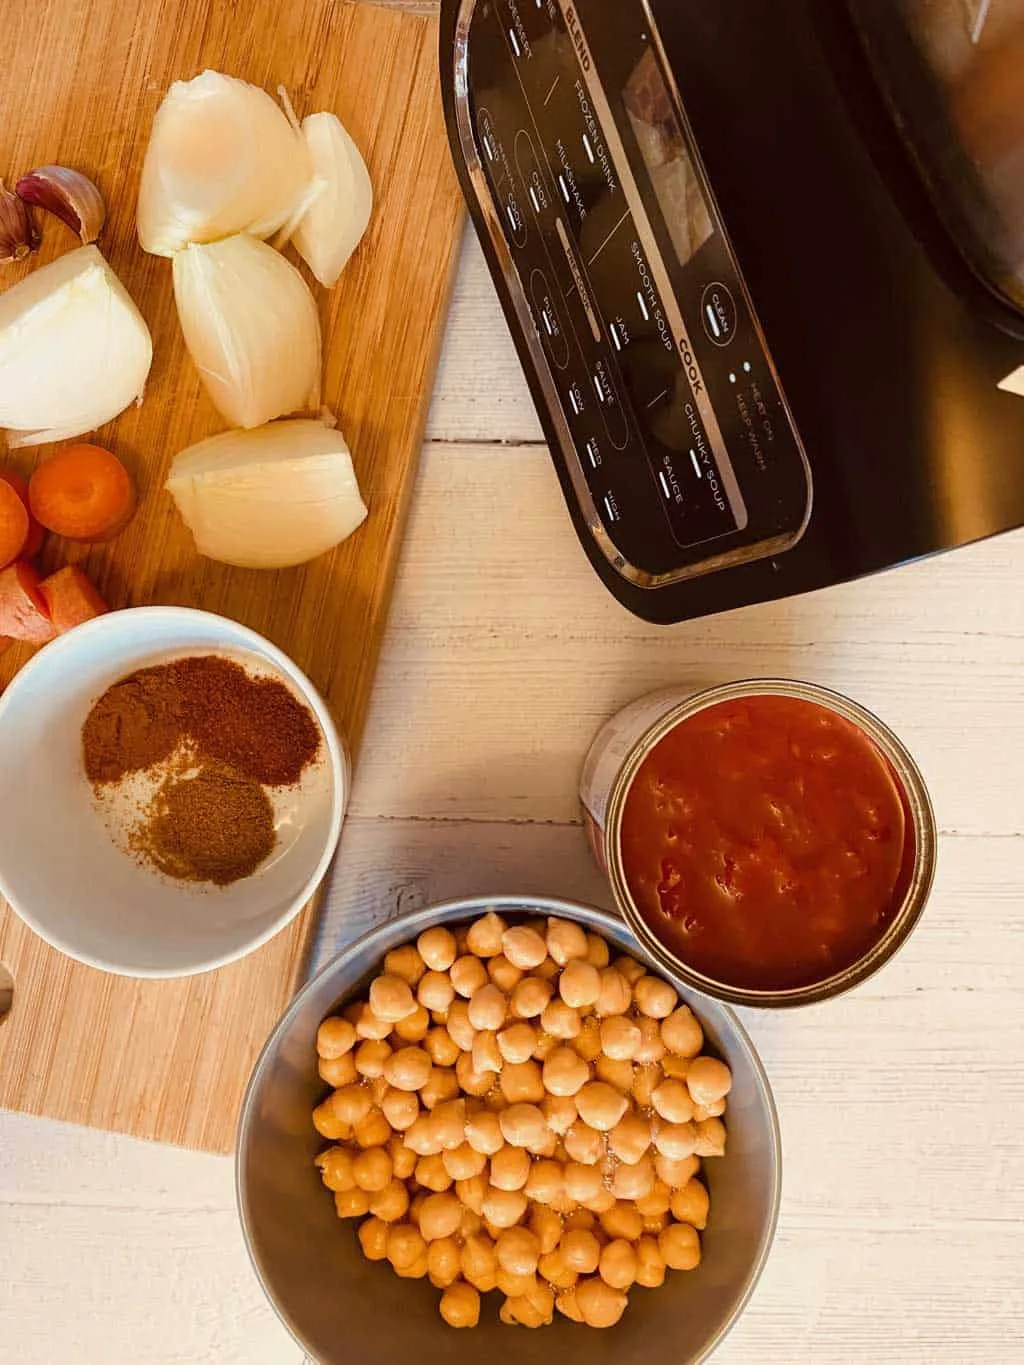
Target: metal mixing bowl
(345,1310)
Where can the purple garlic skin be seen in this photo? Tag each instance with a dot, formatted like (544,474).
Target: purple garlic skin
(69,195)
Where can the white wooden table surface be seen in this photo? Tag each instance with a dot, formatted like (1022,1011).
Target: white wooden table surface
(902,1231)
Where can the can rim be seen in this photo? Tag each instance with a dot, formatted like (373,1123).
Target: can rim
(921,812)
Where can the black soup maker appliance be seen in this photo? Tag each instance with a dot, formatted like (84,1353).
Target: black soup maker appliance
(764,267)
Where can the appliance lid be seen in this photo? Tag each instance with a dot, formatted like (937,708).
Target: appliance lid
(951,73)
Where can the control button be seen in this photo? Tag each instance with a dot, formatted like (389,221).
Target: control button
(611,507)
(514,218)
(615,420)
(718,313)
(549,323)
(576,399)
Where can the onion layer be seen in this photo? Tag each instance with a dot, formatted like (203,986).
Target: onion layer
(74,350)
(251,326)
(269,498)
(331,228)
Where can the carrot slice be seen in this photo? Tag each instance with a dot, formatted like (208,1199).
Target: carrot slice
(23,613)
(34,541)
(71,599)
(83,492)
(14,524)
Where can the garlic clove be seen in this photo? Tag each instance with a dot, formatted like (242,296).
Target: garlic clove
(69,195)
(333,225)
(17,234)
(251,327)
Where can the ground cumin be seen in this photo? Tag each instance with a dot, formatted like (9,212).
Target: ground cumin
(215,737)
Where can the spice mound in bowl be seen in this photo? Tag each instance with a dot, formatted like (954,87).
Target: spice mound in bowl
(188,759)
(195,777)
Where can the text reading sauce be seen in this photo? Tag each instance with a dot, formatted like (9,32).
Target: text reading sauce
(764,842)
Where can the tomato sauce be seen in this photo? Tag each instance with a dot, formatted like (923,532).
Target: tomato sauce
(766,842)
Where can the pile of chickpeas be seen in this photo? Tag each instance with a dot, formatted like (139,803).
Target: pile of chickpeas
(513,1110)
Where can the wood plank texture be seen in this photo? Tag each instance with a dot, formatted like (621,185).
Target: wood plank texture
(82,79)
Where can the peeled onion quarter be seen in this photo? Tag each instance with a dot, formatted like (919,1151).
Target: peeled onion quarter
(251,327)
(74,350)
(333,225)
(222,158)
(269,498)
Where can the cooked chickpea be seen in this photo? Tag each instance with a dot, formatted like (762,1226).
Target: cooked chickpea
(617,1074)
(651,1047)
(416,1271)
(483,1133)
(472,1193)
(581,1251)
(655,1223)
(327,1123)
(708,1080)
(440,1216)
(505,975)
(518,1251)
(522,1083)
(545,1146)
(708,1111)
(622,1220)
(372,1169)
(597,951)
(391,998)
(680,1246)
(415,1206)
(614,995)
(414,1027)
(405,1245)
(408,1069)
(406,963)
(583,1183)
(460,1305)
(553,1268)
(403,1158)
(588,1041)
(654,998)
(560,1020)
(487,1008)
(523,947)
(467,975)
(351,1203)
(559,1113)
(630,1138)
(351,1103)
(370,1025)
(546,1226)
(479,1262)
(565,941)
(516,1043)
(335,1167)
(432,1174)
(531,996)
(633,1182)
(565,1072)
(449,1121)
(486,1055)
(675,1139)
(690,1204)
(510,1168)
(401,1108)
(650,1264)
(599,1304)
(435,991)
(620,1038)
(676,1171)
(580,984)
(437,948)
(675,1068)
(528,1310)
(371,1056)
(646,1080)
(373,1130)
(444,1262)
(710,1138)
(463,1162)
(423,1136)
(503,1208)
(522,1125)
(618,1264)
(656,1201)
(546,1182)
(373,1238)
(545,1046)
(392,1202)
(442,1084)
(584,1144)
(459,1028)
(672,1101)
(681,1032)
(441,1047)
(338,1071)
(473,1082)
(334,1038)
(629,968)
(568,1306)
(601,1203)
(484,936)
(601,1106)
(470,1224)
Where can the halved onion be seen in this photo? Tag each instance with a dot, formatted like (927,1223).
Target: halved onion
(251,326)
(222,158)
(269,498)
(74,350)
(331,228)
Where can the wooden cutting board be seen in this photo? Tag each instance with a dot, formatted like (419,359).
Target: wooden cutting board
(81,82)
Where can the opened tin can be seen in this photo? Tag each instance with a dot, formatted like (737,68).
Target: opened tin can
(626,741)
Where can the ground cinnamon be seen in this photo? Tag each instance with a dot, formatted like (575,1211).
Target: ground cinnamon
(216,737)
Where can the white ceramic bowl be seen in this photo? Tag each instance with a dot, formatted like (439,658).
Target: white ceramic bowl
(59,868)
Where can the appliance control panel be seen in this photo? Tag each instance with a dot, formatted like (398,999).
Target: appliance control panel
(670,418)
